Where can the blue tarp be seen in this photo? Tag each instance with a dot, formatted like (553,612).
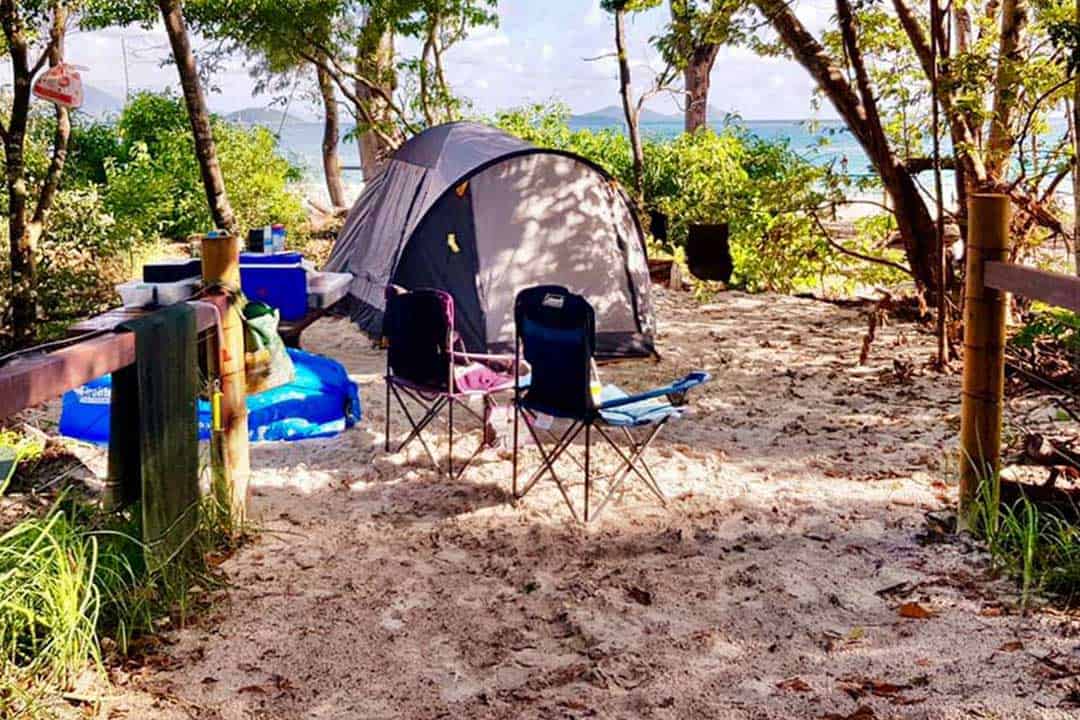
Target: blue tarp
(321,402)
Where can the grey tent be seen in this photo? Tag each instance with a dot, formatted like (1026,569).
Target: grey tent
(469,209)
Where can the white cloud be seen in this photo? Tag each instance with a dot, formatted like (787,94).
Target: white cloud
(547,51)
(595,16)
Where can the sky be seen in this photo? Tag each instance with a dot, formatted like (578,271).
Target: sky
(538,53)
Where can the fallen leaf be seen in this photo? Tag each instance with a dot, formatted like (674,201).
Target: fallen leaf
(1012,646)
(209,680)
(640,596)
(885,689)
(252,689)
(914,611)
(795,684)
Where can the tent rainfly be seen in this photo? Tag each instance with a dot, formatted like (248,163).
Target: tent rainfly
(469,209)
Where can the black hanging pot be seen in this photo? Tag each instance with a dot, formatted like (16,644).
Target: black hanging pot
(658,225)
(708,252)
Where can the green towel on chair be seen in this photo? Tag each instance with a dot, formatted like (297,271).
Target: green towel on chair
(154,442)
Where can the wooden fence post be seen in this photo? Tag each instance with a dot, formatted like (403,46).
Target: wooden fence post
(984,347)
(229,452)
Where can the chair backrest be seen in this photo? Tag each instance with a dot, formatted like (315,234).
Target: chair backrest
(419,327)
(556,330)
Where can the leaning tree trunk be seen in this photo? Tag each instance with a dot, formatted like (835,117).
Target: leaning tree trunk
(629,109)
(205,149)
(858,109)
(1076,164)
(331,133)
(696,80)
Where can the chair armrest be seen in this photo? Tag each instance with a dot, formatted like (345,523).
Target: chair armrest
(675,392)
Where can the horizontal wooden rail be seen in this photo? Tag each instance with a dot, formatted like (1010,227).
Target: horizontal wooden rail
(34,379)
(1034,284)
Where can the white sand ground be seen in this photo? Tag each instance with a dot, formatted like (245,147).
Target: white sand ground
(799,491)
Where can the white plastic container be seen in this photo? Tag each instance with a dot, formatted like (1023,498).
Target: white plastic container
(140,294)
(326,288)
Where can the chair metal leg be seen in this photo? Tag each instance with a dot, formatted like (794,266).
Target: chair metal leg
(630,465)
(588,444)
(517,411)
(560,445)
(450,453)
(548,465)
(417,431)
(387,380)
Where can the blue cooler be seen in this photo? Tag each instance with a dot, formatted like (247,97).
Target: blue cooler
(282,258)
(278,280)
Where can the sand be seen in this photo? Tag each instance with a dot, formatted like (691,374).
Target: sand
(793,575)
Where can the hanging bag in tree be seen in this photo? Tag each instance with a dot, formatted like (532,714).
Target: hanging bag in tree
(266,361)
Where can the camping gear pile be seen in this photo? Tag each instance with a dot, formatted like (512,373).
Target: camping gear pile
(283,280)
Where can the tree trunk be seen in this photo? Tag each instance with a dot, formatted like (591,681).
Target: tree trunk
(696,80)
(630,110)
(375,58)
(1014,15)
(331,134)
(1076,164)
(24,230)
(913,219)
(205,149)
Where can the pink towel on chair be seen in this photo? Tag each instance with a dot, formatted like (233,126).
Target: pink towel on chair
(477,377)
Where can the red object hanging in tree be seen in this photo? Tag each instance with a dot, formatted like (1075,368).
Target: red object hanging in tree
(61,85)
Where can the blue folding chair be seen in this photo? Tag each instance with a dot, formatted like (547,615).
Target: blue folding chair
(555,331)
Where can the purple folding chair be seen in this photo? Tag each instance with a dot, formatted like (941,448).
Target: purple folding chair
(426,362)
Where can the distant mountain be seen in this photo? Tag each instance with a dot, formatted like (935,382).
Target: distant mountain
(99,104)
(614,114)
(268,117)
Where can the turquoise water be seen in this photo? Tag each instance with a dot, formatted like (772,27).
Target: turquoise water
(820,142)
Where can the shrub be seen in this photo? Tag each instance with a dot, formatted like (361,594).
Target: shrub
(762,188)
(154,184)
(81,256)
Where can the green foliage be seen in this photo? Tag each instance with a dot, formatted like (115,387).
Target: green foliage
(154,184)
(75,576)
(1058,327)
(81,253)
(127,186)
(763,189)
(1034,544)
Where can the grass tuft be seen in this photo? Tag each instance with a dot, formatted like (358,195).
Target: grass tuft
(78,575)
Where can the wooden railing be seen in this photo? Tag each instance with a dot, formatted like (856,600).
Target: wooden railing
(36,378)
(989,281)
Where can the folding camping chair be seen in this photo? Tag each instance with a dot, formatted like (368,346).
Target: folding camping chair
(555,330)
(427,363)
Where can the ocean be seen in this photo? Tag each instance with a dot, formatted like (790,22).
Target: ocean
(821,142)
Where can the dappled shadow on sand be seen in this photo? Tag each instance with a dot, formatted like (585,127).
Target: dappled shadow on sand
(718,609)
(771,587)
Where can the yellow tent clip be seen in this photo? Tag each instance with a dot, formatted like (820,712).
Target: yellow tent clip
(462,189)
(451,242)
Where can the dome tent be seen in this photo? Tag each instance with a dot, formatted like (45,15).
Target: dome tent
(469,209)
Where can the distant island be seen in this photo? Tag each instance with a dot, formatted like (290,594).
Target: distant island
(614,114)
(268,117)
